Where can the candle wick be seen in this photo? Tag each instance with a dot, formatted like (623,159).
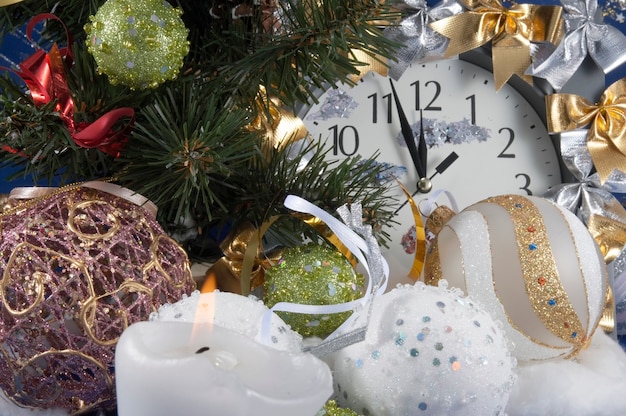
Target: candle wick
(203,349)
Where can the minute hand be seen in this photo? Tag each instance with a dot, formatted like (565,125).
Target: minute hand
(418,157)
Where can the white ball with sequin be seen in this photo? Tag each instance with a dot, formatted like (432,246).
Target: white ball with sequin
(427,351)
(532,264)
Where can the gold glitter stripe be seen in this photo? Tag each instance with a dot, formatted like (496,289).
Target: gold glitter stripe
(432,265)
(543,286)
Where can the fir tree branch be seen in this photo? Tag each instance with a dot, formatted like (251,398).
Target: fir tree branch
(184,151)
(310,174)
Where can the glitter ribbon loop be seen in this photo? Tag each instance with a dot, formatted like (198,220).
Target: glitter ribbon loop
(606,138)
(509,30)
(366,250)
(585,35)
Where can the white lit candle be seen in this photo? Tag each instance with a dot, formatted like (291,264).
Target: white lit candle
(168,368)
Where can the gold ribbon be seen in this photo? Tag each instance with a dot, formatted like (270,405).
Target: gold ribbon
(610,235)
(242,267)
(278,126)
(509,30)
(606,139)
(420,237)
(9,2)
(319,226)
(369,63)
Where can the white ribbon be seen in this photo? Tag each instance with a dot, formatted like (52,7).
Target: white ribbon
(368,254)
(585,34)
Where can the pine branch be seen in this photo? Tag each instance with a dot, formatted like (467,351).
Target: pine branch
(327,184)
(73,13)
(308,46)
(38,140)
(184,150)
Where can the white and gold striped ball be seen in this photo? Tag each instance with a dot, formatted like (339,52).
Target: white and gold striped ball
(532,265)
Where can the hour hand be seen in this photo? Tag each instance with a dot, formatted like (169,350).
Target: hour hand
(418,154)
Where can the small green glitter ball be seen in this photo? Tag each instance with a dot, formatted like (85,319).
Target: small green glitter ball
(315,275)
(331,409)
(138,43)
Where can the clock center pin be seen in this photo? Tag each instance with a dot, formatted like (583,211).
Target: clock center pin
(424,185)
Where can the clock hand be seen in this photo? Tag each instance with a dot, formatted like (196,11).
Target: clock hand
(445,164)
(417,155)
(441,167)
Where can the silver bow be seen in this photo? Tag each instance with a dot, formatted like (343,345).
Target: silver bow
(421,43)
(585,34)
(587,196)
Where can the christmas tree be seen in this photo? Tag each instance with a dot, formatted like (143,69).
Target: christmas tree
(192,115)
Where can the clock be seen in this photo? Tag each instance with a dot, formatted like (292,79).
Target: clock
(441,126)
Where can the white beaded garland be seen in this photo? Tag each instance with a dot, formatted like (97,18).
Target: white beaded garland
(428,351)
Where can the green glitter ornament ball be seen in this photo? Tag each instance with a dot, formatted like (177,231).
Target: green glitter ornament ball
(312,274)
(138,43)
(331,409)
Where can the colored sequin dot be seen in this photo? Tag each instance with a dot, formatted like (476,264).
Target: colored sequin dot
(566,325)
(414,352)
(400,339)
(376,354)
(455,364)
(532,246)
(477,324)
(436,362)
(421,336)
(440,304)
(447,329)
(422,406)
(552,302)
(399,322)
(531,229)
(426,319)
(439,346)
(518,205)
(541,280)
(332,290)
(359,363)
(574,334)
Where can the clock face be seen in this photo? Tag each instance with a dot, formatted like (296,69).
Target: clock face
(479,142)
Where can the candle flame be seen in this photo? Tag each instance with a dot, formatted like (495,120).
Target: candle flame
(210,283)
(205,316)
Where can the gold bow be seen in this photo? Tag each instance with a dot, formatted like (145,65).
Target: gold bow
(606,139)
(610,234)
(279,126)
(242,268)
(510,30)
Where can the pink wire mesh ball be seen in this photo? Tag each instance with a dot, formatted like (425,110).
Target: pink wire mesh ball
(77,267)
